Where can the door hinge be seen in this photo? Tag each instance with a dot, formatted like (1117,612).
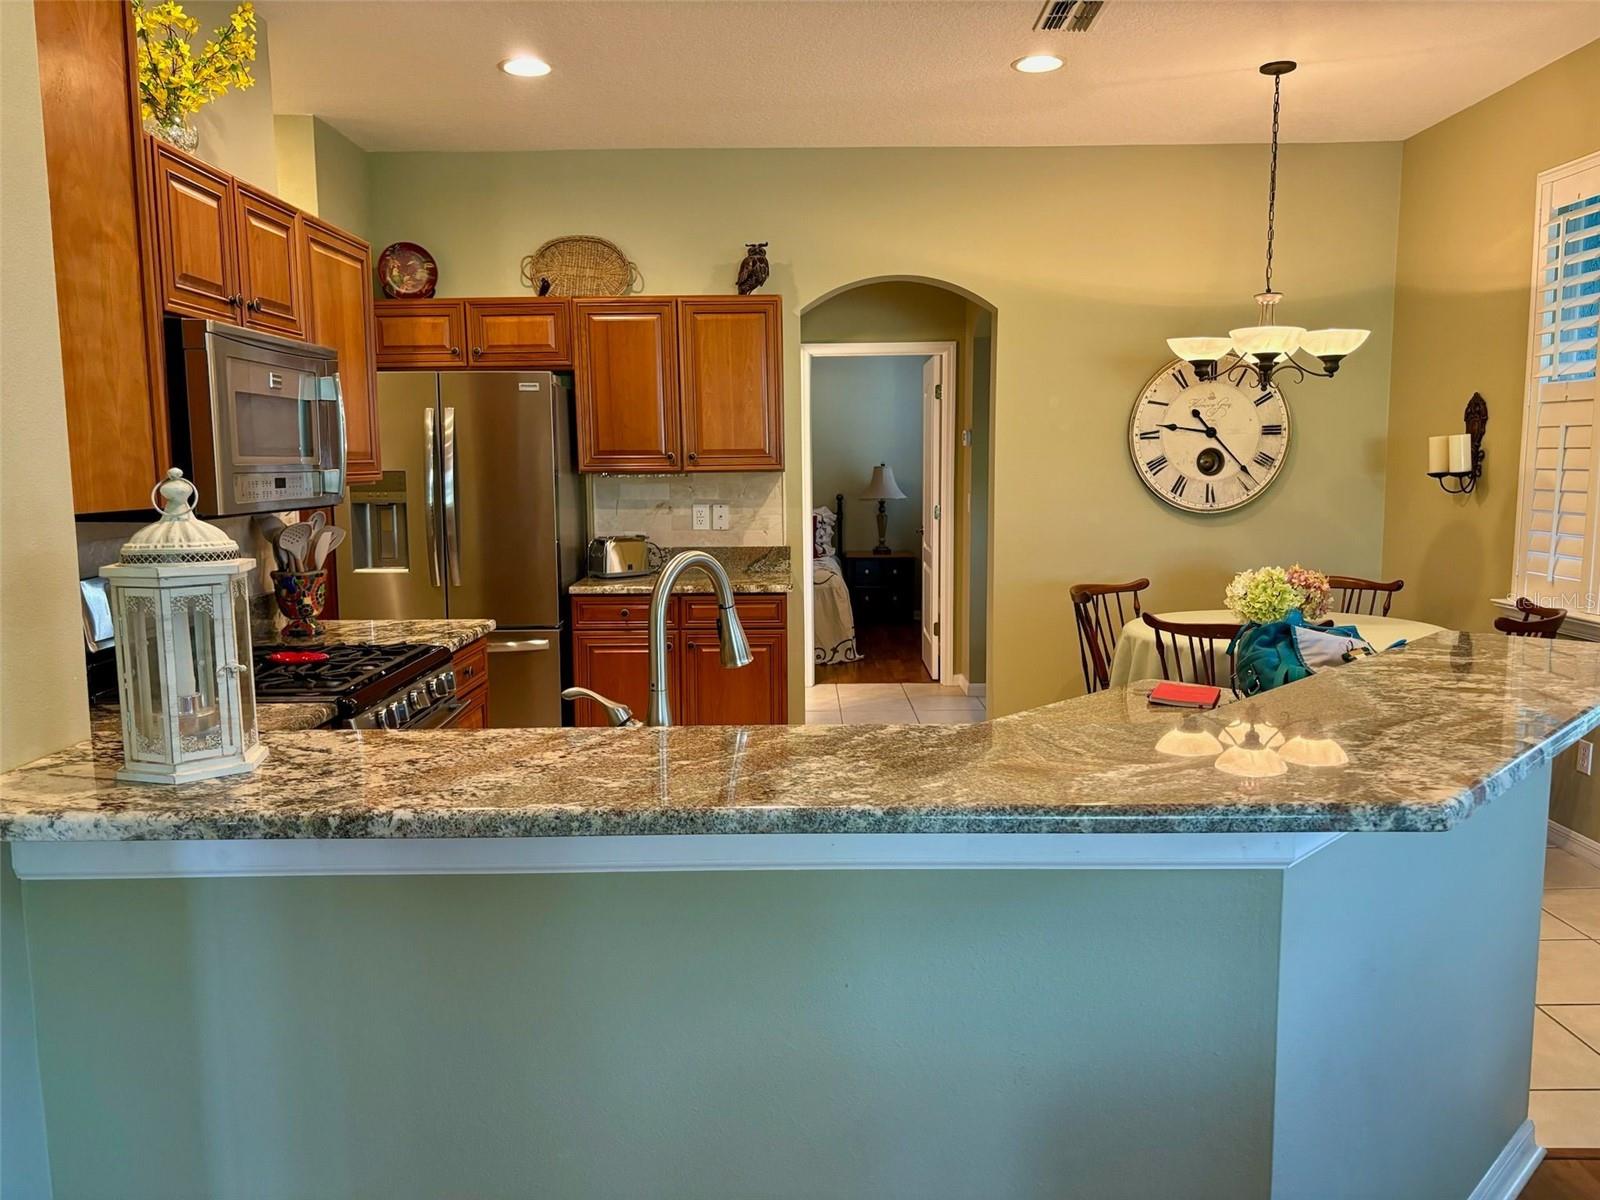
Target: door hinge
(936,629)
(935,512)
(938,391)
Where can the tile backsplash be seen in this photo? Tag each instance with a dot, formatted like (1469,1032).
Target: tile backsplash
(662,507)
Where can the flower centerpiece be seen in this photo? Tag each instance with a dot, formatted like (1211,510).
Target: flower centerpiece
(1272,593)
(176,81)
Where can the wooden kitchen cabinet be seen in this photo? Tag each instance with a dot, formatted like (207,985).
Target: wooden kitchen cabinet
(270,267)
(692,383)
(611,655)
(106,288)
(731,355)
(339,308)
(519,334)
(474,714)
(197,237)
(626,362)
(425,334)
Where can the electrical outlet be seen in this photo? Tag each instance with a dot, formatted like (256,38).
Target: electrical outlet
(719,516)
(1586,758)
(702,516)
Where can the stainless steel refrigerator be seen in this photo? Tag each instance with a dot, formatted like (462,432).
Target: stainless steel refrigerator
(479,514)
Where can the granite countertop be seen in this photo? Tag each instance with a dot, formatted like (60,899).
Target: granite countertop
(452,635)
(1430,731)
(750,569)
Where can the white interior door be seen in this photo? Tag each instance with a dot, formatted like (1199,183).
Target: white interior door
(932,509)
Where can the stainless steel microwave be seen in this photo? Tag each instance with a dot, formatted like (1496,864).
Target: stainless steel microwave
(257,420)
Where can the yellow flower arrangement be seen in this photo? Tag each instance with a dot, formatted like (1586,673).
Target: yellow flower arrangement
(174,80)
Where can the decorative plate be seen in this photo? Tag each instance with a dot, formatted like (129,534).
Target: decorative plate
(407,271)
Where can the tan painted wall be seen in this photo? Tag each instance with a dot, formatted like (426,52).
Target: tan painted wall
(1461,326)
(294,143)
(1083,308)
(43,704)
(321,171)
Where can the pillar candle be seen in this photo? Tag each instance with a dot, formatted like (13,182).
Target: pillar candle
(1460,452)
(1438,455)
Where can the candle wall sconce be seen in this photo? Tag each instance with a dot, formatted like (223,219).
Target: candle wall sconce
(1458,457)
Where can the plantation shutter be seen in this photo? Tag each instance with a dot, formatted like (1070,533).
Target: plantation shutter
(1556,553)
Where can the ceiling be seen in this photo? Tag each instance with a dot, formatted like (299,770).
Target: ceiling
(395,75)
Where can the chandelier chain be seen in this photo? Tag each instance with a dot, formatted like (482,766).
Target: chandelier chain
(1272,175)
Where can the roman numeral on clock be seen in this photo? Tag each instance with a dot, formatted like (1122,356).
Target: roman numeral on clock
(1149,435)
(1157,464)
(1179,484)
(1264,397)
(1264,460)
(1211,494)
(1181,381)
(1272,430)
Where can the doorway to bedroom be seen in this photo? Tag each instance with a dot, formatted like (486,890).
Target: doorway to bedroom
(895,464)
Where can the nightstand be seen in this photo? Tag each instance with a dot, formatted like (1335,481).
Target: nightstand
(885,589)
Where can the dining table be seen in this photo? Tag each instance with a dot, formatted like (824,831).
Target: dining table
(1136,656)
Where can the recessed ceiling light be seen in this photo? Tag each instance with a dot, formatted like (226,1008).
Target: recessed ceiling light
(525,66)
(1037,64)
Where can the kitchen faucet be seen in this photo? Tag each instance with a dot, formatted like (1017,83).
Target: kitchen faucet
(735,648)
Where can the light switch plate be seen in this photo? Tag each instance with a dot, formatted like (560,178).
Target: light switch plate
(702,516)
(719,516)
(1586,757)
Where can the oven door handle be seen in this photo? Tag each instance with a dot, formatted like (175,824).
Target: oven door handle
(452,507)
(429,485)
(437,715)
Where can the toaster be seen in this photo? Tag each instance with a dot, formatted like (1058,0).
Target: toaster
(619,555)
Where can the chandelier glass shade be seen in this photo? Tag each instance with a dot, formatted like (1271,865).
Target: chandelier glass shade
(1257,353)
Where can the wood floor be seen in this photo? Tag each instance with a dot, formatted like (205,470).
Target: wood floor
(890,654)
(1566,1175)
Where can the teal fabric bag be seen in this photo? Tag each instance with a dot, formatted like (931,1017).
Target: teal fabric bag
(1279,652)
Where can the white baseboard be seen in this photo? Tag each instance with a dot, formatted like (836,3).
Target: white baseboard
(1574,843)
(1511,1170)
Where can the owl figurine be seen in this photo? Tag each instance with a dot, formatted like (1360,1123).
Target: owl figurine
(755,268)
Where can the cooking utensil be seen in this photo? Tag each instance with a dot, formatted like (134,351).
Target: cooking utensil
(318,523)
(327,542)
(294,542)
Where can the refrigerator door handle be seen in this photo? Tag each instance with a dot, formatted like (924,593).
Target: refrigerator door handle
(452,510)
(522,647)
(429,485)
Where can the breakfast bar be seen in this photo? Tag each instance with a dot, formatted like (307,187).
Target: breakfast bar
(975,947)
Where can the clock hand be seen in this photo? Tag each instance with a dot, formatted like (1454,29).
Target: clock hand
(1182,428)
(1212,434)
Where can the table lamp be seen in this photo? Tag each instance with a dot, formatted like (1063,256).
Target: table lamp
(882,488)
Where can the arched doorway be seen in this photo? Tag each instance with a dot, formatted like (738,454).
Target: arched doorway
(940,337)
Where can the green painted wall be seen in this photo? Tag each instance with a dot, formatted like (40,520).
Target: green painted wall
(865,411)
(24,1152)
(1083,308)
(917,1034)
(322,171)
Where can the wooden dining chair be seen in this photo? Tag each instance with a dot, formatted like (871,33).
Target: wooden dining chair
(1349,594)
(1092,605)
(1536,620)
(1188,651)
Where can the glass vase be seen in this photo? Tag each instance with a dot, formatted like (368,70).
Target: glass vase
(175,131)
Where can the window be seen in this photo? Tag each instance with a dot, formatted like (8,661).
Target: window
(1556,553)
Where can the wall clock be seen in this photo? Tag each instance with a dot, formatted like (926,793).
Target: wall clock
(1206,446)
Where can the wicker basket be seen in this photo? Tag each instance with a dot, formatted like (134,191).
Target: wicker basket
(580,266)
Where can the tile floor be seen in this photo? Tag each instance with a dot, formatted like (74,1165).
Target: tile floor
(894,704)
(1565,1098)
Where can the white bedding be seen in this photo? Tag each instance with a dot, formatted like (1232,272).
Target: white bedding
(833,619)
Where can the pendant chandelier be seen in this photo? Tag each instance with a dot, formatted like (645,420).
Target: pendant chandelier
(1257,353)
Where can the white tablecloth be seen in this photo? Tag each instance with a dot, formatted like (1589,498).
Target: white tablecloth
(1136,645)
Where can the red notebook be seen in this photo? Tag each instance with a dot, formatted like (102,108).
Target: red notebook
(1185,695)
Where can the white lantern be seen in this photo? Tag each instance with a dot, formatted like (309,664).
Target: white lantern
(180,606)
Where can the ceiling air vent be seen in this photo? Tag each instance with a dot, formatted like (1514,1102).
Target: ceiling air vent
(1075,16)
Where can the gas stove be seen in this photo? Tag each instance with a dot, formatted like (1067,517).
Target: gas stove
(401,686)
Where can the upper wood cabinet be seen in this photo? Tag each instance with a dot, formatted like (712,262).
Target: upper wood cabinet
(339,294)
(420,333)
(226,251)
(731,355)
(270,276)
(687,384)
(626,362)
(103,239)
(509,334)
(195,219)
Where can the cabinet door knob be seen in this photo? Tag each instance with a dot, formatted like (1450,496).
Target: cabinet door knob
(623,613)
(455,351)
(477,352)
(254,305)
(693,457)
(671,457)
(236,298)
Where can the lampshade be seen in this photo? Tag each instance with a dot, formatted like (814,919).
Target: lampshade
(1333,343)
(1313,751)
(1189,739)
(1200,349)
(883,486)
(1266,342)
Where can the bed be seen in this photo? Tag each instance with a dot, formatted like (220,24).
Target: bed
(833,620)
